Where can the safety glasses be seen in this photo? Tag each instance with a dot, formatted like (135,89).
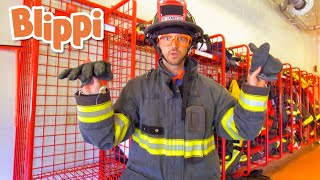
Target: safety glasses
(181,39)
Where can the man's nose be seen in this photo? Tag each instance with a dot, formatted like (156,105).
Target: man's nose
(175,42)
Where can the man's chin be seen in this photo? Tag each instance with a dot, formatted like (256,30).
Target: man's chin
(176,62)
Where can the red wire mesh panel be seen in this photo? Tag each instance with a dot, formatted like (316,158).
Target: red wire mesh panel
(49,144)
(146,58)
(25,102)
(212,65)
(238,63)
(120,52)
(125,65)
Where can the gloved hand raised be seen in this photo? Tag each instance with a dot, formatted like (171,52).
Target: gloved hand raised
(261,57)
(87,71)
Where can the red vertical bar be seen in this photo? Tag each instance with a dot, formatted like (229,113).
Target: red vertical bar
(280,110)
(18,90)
(299,103)
(318,95)
(17,148)
(223,61)
(133,38)
(223,159)
(291,105)
(30,131)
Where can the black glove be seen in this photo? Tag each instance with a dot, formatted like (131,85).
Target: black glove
(261,57)
(86,72)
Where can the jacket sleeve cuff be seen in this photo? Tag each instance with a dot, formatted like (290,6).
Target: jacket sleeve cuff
(88,100)
(248,89)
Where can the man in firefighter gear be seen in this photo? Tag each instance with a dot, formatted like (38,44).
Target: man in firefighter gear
(171,112)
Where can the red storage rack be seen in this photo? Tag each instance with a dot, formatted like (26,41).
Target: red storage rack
(305,101)
(292,127)
(248,147)
(277,134)
(239,73)
(297,97)
(316,107)
(48,141)
(211,65)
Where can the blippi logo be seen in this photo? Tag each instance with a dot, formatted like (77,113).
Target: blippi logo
(56,30)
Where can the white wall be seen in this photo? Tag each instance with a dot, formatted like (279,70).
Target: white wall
(5,36)
(244,21)
(7,112)
(7,92)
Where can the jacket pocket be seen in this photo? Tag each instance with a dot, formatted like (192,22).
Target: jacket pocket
(195,122)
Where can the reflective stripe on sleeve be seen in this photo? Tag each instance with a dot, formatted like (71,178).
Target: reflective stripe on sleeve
(229,125)
(121,124)
(95,113)
(252,102)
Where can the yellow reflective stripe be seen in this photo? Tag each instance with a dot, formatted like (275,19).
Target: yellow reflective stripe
(254,97)
(252,102)
(174,147)
(312,133)
(317,117)
(293,112)
(95,113)
(235,154)
(278,142)
(96,118)
(94,108)
(227,156)
(262,129)
(243,158)
(121,124)
(238,144)
(307,121)
(290,101)
(229,125)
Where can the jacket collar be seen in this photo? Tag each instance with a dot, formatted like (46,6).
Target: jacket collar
(191,66)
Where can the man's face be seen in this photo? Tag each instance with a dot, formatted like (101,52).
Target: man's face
(174,47)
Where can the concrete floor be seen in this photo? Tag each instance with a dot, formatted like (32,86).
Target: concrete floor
(303,164)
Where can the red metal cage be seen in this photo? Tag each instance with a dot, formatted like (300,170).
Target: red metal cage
(48,141)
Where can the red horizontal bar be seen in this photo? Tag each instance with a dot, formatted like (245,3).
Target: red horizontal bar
(10,48)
